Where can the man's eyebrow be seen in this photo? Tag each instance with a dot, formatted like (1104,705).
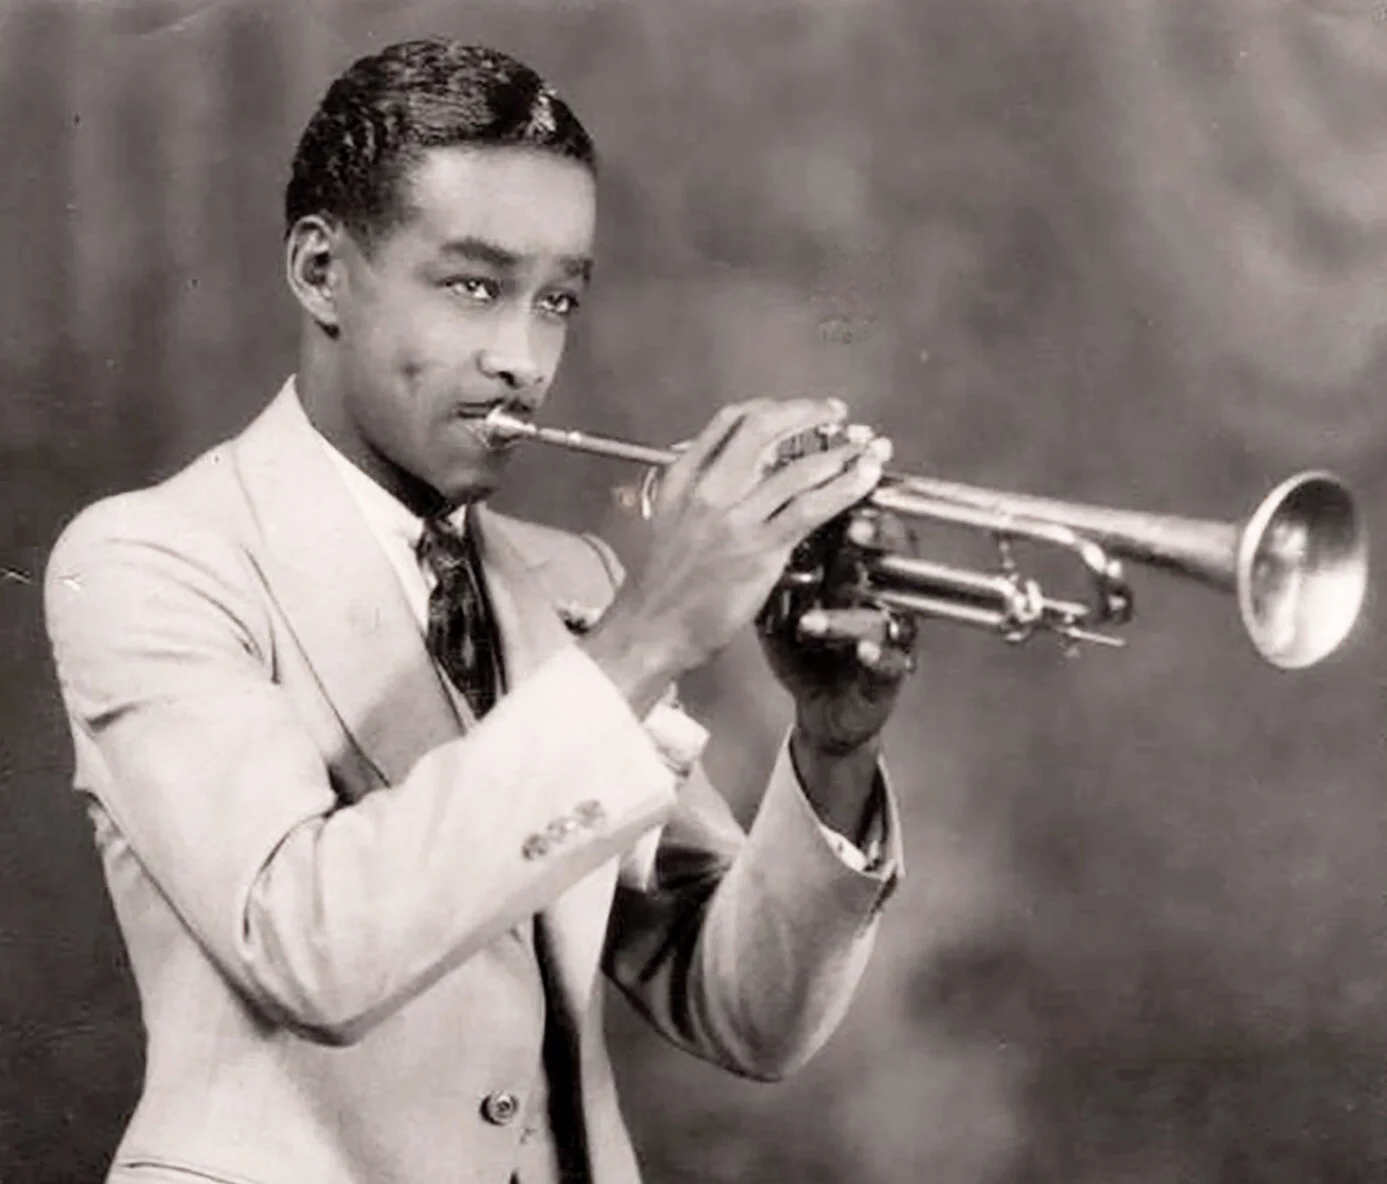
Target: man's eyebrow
(577,267)
(480,250)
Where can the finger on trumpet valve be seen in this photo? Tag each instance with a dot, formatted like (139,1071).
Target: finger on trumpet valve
(877,530)
(826,436)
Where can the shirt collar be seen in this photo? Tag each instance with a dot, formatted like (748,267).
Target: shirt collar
(388,517)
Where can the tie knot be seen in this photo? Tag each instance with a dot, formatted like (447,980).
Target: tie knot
(444,548)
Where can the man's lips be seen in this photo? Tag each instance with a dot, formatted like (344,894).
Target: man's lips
(473,418)
(481,408)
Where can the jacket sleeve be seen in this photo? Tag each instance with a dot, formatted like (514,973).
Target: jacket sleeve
(327,916)
(745,948)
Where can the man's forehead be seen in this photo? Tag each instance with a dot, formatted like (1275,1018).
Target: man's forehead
(504,257)
(525,204)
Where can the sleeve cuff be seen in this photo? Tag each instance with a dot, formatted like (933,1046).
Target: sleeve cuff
(795,856)
(680,741)
(679,738)
(879,856)
(851,854)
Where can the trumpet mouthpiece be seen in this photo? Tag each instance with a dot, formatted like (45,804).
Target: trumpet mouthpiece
(499,427)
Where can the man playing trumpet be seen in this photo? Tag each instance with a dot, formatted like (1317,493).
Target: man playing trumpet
(376,824)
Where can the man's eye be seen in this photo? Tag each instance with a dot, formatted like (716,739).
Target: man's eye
(475,288)
(560,304)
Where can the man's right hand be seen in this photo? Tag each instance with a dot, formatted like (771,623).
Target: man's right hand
(721,535)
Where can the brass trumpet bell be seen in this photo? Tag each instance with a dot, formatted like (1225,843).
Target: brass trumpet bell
(1301,570)
(1297,565)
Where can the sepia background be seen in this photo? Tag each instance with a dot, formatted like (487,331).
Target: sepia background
(1125,251)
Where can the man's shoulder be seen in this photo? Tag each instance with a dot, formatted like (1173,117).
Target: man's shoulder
(202,497)
(190,515)
(577,570)
(171,503)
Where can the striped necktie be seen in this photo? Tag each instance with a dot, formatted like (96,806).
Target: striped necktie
(461,637)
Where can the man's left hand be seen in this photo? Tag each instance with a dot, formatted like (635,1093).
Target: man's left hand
(843,664)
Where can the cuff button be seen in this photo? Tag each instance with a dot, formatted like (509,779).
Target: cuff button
(500,1108)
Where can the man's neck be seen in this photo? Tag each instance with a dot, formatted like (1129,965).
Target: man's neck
(327,418)
(418,497)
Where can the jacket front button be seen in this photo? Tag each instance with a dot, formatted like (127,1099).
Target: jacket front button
(501,1107)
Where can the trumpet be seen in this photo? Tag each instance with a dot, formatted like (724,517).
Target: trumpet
(1297,564)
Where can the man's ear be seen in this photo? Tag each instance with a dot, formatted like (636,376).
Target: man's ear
(313,258)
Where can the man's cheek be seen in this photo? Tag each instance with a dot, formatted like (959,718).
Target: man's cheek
(553,347)
(428,369)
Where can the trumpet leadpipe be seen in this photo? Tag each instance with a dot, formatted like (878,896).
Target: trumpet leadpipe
(500,427)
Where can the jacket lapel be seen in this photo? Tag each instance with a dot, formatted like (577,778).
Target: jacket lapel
(340,595)
(530,628)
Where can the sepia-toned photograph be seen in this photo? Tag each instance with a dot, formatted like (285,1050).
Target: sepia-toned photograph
(693,592)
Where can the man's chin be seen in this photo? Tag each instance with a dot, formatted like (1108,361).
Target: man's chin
(473,486)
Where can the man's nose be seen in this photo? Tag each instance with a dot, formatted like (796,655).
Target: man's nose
(509,357)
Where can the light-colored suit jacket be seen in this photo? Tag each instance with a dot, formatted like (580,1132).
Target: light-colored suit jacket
(332,887)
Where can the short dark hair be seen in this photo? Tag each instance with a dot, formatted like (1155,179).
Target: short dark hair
(379,117)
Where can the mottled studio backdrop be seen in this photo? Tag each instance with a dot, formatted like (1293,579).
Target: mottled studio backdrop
(1126,251)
